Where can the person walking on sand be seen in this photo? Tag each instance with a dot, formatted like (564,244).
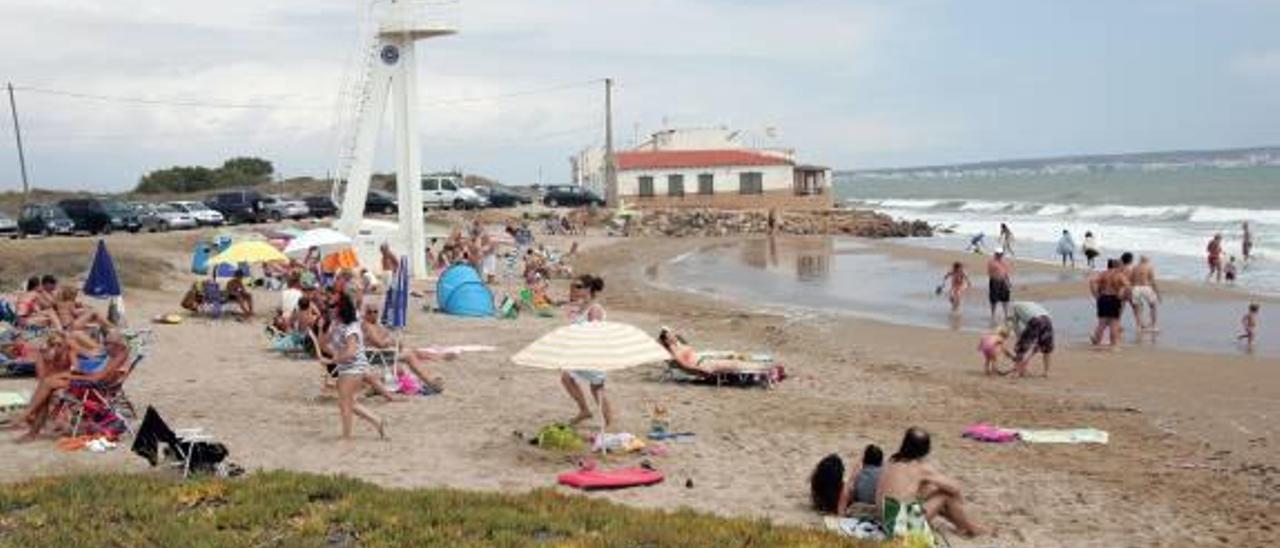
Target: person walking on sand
(582,295)
(911,492)
(1145,294)
(1006,239)
(1250,324)
(1090,249)
(351,367)
(1067,248)
(959,284)
(1214,250)
(1246,242)
(999,283)
(1109,288)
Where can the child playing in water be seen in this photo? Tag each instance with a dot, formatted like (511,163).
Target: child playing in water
(959,284)
(1229,271)
(992,345)
(1250,324)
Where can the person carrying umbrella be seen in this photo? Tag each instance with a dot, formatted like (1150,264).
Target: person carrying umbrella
(582,295)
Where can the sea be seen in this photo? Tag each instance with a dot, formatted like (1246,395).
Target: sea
(1169,215)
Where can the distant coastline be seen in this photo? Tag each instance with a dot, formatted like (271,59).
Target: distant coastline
(1142,161)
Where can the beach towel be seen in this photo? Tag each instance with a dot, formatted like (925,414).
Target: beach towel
(1076,435)
(859,528)
(451,352)
(609,479)
(907,522)
(13,401)
(988,433)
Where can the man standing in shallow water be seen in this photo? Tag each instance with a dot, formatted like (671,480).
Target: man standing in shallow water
(1145,294)
(999,283)
(1109,288)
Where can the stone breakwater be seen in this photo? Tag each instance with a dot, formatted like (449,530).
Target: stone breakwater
(706,222)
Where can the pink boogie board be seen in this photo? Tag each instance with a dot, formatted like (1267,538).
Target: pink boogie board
(610,479)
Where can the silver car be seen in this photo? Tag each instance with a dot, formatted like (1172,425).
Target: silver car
(279,208)
(8,226)
(203,214)
(164,217)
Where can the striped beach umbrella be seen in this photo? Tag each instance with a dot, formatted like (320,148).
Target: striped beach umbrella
(596,346)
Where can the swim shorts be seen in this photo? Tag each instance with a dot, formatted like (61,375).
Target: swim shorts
(1109,307)
(1145,295)
(998,291)
(1037,333)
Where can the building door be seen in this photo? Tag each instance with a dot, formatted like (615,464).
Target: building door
(706,184)
(675,186)
(646,187)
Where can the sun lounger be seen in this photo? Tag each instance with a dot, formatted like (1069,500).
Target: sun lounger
(755,370)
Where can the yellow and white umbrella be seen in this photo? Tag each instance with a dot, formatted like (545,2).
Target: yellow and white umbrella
(596,346)
(253,251)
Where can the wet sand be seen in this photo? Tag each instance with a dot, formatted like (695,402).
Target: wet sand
(1190,461)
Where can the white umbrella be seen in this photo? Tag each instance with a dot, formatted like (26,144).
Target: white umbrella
(326,239)
(596,346)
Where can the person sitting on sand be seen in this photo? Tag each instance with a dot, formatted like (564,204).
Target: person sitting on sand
(991,345)
(959,282)
(236,292)
(351,368)
(1250,324)
(73,314)
(583,293)
(379,337)
(912,492)
(1034,328)
(831,493)
(31,309)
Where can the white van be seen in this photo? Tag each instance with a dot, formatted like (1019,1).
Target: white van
(446,191)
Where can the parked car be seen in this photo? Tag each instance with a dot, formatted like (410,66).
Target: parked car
(571,196)
(8,226)
(240,206)
(165,217)
(278,208)
(203,214)
(44,219)
(123,217)
(446,190)
(378,201)
(89,215)
(500,197)
(321,206)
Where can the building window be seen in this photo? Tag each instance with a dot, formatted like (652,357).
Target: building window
(675,185)
(706,184)
(646,187)
(751,183)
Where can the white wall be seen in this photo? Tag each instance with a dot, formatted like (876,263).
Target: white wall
(726,179)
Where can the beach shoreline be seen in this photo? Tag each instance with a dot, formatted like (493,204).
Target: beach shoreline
(853,382)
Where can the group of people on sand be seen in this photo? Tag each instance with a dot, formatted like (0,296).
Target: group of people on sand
(906,495)
(74,348)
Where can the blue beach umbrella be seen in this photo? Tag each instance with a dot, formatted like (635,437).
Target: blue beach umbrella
(395,311)
(102,281)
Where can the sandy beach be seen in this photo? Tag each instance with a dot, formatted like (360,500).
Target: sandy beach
(1190,460)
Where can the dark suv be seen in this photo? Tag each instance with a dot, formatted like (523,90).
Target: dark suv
(321,206)
(123,217)
(89,215)
(241,206)
(44,219)
(569,195)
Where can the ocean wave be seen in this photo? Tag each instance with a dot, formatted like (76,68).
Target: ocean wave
(1068,211)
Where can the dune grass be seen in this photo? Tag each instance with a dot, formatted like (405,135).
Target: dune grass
(294,509)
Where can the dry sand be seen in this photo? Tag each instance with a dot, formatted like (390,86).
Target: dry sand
(1189,463)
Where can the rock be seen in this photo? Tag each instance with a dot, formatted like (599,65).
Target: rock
(679,223)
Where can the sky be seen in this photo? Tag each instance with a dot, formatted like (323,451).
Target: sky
(849,84)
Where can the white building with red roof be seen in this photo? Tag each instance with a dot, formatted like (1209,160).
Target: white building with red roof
(707,168)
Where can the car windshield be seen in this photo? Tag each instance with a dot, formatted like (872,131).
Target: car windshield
(166,208)
(193,207)
(115,207)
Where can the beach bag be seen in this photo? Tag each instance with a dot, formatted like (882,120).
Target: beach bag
(559,437)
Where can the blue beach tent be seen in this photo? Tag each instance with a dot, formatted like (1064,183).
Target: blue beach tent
(461,292)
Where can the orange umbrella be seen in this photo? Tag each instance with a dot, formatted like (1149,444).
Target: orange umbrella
(338,260)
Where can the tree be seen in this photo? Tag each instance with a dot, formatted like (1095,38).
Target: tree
(243,171)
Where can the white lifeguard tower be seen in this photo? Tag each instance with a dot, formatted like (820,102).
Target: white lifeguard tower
(388,71)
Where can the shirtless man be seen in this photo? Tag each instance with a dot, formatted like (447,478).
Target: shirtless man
(389,265)
(1109,288)
(1246,241)
(909,487)
(1145,293)
(999,283)
(1214,249)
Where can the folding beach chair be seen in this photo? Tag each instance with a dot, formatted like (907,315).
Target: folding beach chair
(105,407)
(191,449)
(211,299)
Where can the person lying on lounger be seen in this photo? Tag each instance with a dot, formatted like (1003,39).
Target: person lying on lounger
(690,360)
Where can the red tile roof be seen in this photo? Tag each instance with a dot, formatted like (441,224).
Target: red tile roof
(675,159)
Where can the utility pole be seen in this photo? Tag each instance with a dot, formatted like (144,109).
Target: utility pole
(22,158)
(610,166)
